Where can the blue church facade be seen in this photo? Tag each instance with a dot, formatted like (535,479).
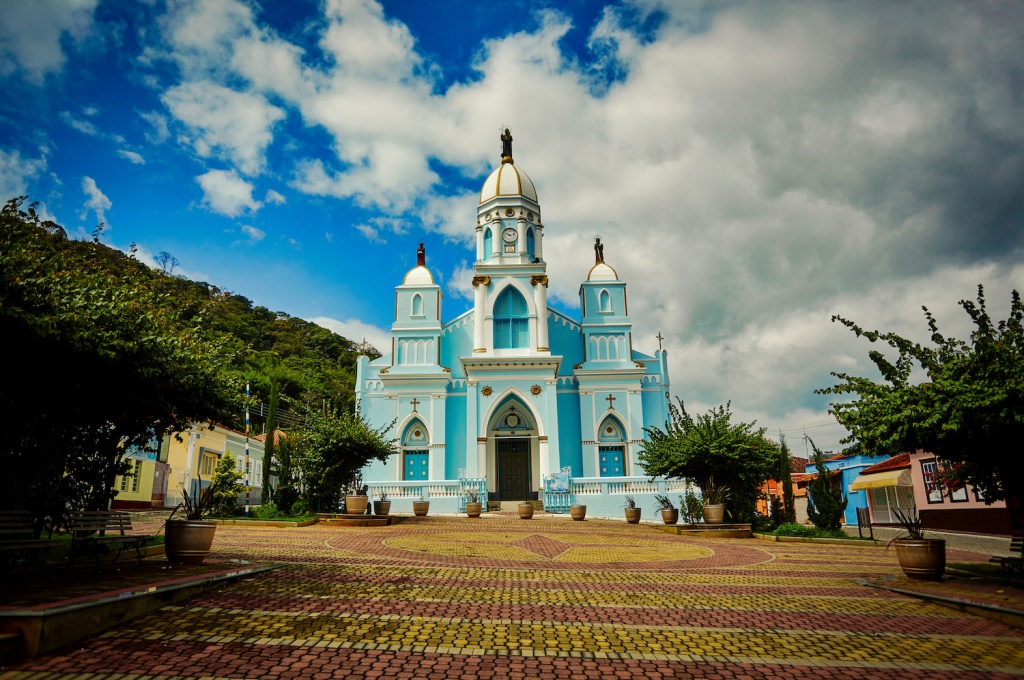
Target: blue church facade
(514,398)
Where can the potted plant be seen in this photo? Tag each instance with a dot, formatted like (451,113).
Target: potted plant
(355,503)
(526,510)
(188,540)
(632,512)
(669,513)
(920,558)
(421,507)
(715,496)
(383,506)
(473,505)
(578,512)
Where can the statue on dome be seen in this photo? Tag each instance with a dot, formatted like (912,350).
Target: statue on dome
(598,251)
(421,256)
(506,147)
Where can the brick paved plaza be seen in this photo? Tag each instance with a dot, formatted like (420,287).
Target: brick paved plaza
(500,597)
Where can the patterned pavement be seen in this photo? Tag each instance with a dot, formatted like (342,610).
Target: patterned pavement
(500,597)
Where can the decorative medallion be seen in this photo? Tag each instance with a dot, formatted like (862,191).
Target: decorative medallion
(512,420)
(487,391)
(509,212)
(487,216)
(529,216)
(417,434)
(609,430)
(535,390)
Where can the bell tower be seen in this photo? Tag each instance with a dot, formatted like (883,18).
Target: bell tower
(510,309)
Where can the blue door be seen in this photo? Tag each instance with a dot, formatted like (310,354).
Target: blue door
(610,458)
(417,465)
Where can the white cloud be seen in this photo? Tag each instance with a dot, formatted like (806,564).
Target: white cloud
(234,126)
(253,233)
(158,123)
(274,198)
(226,193)
(460,283)
(371,233)
(356,330)
(83,126)
(31,32)
(96,201)
(135,158)
(17,172)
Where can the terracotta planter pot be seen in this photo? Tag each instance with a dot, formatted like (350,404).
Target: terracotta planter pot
(420,508)
(714,514)
(633,515)
(474,509)
(922,558)
(381,508)
(356,505)
(578,512)
(188,541)
(669,515)
(525,511)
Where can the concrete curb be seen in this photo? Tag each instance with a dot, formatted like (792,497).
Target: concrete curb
(280,524)
(1011,617)
(855,542)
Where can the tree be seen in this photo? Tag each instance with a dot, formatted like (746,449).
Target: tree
(226,485)
(710,446)
(116,362)
(969,411)
(333,449)
(826,504)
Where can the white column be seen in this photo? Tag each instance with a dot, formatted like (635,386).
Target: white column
(521,228)
(479,242)
(538,241)
(479,303)
(496,239)
(540,299)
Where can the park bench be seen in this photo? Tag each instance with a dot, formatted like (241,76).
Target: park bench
(104,527)
(17,535)
(1013,562)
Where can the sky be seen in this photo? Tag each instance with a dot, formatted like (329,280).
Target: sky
(753,168)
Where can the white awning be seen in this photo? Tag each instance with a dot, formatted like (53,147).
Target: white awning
(880,480)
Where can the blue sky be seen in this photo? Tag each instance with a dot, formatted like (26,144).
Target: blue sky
(753,168)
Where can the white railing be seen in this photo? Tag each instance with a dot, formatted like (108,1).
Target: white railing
(430,489)
(643,488)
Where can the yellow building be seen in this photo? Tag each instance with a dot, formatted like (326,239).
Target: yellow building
(192,461)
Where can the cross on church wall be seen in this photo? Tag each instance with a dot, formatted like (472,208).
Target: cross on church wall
(610,399)
(415,402)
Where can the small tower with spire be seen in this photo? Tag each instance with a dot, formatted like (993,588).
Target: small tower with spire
(416,331)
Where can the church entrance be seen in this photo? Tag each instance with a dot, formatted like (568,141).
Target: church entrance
(513,462)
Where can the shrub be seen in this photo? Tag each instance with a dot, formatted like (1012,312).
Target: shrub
(268,511)
(299,508)
(826,504)
(691,506)
(804,531)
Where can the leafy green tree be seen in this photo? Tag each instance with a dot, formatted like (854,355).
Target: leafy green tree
(826,504)
(332,450)
(226,485)
(711,446)
(969,411)
(117,359)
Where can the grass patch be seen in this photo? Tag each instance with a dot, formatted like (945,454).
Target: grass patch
(803,531)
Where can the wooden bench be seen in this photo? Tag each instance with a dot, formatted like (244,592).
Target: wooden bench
(17,534)
(104,527)
(1013,562)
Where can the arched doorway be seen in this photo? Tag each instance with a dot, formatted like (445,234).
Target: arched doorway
(611,448)
(415,452)
(513,463)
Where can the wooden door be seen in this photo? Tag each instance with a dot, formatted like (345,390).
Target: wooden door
(513,469)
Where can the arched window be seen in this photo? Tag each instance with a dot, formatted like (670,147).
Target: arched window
(488,244)
(605,301)
(529,242)
(511,323)
(417,305)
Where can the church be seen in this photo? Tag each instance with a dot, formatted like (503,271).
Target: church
(513,398)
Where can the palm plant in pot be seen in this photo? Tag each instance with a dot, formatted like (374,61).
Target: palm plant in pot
(920,558)
(188,539)
(383,506)
(473,505)
(669,512)
(632,512)
(715,495)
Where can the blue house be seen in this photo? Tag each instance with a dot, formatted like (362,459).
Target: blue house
(514,398)
(847,468)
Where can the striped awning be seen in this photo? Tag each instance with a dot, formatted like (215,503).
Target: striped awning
(880,480)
